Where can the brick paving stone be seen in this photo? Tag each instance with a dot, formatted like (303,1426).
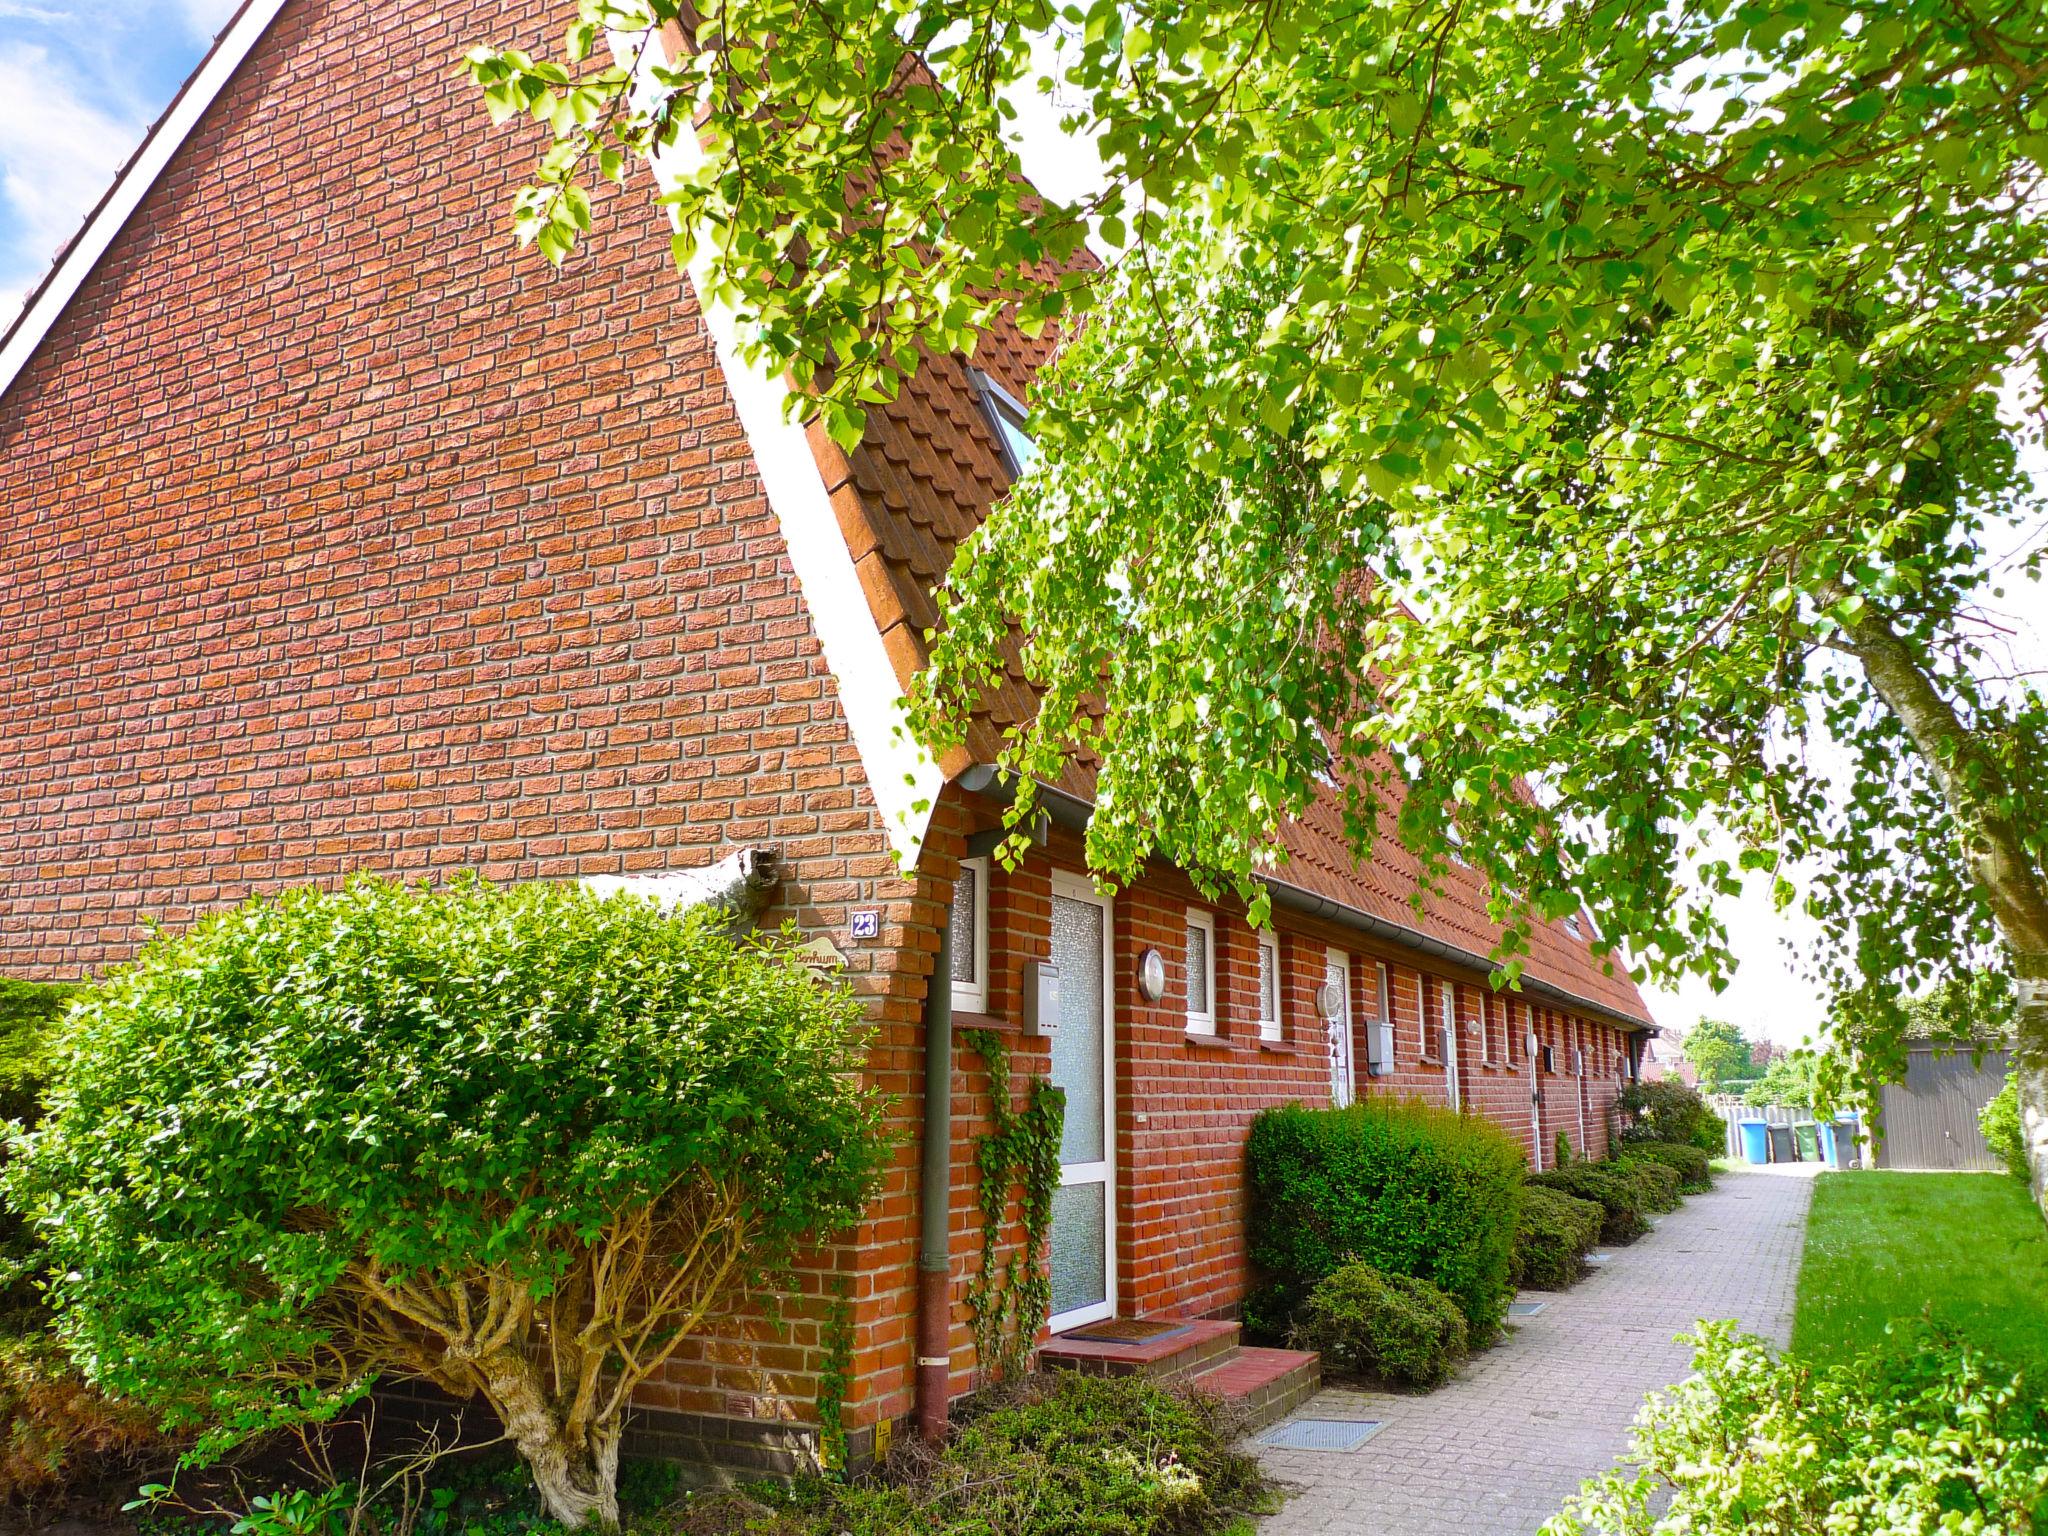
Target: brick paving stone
(1498,1450)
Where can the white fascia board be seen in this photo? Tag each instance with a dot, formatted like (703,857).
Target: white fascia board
(903,777)
(133,184)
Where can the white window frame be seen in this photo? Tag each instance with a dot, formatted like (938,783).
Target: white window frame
(1269,954)
(972,996)
(1005,410)
(1201,1021)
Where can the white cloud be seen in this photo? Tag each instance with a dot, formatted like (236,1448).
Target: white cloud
(205,18)
(57,154)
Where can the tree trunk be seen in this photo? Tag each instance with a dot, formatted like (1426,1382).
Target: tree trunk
(2012,884)
(577,1475)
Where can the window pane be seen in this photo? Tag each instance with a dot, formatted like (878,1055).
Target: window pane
(966,891)
(1198,969)
(1269,984)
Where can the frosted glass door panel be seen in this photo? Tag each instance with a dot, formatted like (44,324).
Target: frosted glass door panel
(1080,1247)
(1083,1057)
(1077,1045)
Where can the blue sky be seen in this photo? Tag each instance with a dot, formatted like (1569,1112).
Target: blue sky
(80,80)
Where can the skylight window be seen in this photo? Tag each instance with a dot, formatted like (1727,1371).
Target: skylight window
(1007,415)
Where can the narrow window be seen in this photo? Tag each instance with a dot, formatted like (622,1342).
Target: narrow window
(1201,974)
(968,927)
(1269,986)
(1007,415)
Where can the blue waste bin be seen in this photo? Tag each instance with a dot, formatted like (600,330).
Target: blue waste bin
(1756,1142)
(1828,1154)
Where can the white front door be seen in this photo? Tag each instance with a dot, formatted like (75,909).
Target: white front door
(1337,973)
(1449,1000)
(1083,1242)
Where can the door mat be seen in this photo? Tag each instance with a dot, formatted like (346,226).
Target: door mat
(1124,1330)
(1320,1434)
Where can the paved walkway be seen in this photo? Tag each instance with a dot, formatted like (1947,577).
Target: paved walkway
(1497,1451)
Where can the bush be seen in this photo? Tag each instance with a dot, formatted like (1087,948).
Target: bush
(1658,1182)
(1561,1151)
(502,1141)
(1608,1185)
(2000,1121)
(1556,1232)
(29,1011)
(1405,1187)
(1670,1111)
(1388,1327)
(52,1424)
(1929,1440)
(1087,1455)
(1695,1169)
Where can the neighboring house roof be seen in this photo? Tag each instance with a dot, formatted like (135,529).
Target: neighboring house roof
(925,477)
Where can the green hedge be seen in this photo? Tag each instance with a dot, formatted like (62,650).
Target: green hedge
(1669,1111)
(2000,1121)
(1556,1232)
(1659,1183)
(1610,1186)
(1388,1327)
(1695,1169)
(1405,1187)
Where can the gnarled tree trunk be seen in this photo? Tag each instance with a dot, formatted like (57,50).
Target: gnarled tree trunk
(2013,884)
(575,1469)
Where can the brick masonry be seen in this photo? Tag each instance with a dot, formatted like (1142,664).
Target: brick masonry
(339,539)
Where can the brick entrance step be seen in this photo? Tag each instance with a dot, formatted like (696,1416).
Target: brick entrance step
(1267,1384)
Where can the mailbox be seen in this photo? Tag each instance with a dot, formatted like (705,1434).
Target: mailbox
(1041,997)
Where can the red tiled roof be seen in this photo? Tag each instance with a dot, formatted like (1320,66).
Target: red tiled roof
(923,479)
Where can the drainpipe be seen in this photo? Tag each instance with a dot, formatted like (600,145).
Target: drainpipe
(935,1251)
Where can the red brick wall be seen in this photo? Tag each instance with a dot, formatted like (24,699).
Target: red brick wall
(1185,1102)
(338,538)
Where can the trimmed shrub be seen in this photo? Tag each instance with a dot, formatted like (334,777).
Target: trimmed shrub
(1658,1182)
(1695,1169)
(1388,1327)
(2000,1122)
(394,1131)
(1932,1439)
(1405,1187)
(1561,1151)
(1670,1111)
(1556,1232)
(1608,1185)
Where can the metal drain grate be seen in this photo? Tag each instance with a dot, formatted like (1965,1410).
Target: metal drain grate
(1525,1308)
(1320,1434)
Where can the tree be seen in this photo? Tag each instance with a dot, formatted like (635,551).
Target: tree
(1788,1080)
(1575,427)
(1718,1053)
(515,1143)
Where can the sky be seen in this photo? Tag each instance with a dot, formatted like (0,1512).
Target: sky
(81,80)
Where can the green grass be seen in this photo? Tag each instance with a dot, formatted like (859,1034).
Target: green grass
(1968,1250)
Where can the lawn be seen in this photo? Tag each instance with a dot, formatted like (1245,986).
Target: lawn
(1966,1249)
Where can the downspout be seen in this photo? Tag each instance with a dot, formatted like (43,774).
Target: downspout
(935,1250)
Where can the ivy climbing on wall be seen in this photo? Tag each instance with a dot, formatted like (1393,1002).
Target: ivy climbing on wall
(1009,1299)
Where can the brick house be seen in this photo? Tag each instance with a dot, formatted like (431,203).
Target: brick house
(336,538)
